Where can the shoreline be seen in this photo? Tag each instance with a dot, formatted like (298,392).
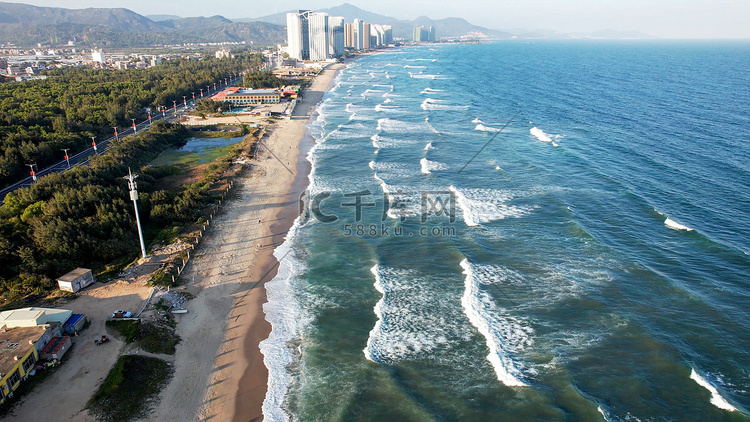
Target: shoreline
(219,373)
(250,409)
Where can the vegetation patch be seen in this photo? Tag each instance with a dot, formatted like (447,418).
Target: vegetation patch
(129,390)
(153,338)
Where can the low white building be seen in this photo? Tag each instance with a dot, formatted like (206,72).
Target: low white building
(76,280)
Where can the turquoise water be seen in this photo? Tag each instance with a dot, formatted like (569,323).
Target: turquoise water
(589,262)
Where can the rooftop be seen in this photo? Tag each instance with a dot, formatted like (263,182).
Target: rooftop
(17,342)
(74,274)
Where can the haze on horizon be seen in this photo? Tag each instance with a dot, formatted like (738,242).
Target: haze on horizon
(660,18)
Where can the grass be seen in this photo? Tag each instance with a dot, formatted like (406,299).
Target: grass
(184,158)
(149,337)
(130,388)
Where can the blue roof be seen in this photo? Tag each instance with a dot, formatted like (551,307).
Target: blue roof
(73,319)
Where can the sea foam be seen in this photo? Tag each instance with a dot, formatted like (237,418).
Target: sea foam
(675,225)
(428,166)
(544,137)
(480,206)
(716,398)
(481,312)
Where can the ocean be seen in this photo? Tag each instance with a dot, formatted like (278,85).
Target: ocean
(522,231)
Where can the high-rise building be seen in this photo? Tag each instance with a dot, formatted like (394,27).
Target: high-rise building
(382,34)
(366,36)
(358,34)
(318,24)
(298,35)
(98,56)
(335,36)
(349,35)
(424,34)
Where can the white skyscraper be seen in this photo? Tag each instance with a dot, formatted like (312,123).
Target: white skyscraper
(297,35)
(358,34)
(318,24)
(336,36)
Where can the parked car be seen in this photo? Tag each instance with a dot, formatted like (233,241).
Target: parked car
(122,314)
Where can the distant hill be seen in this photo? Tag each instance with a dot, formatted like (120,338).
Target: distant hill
(25,26)
(121,20)
(159,18)
(449,27)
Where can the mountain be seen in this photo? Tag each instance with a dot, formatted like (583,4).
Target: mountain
(449,27)
(121,20)
(25,26)
(159,18)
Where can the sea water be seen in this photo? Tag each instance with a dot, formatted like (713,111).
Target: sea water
(522,230)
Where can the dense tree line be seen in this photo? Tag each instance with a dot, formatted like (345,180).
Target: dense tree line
(84,216)
(39,118)
(262,80)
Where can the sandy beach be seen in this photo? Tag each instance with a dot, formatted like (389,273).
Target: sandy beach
(219,370)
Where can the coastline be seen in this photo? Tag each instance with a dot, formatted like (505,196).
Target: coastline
(219,373)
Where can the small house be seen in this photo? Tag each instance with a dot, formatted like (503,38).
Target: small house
(74,324)
(76,280)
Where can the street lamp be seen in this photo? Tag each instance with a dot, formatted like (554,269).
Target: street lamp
(193,96)
(133,187)
(135,128)
(183,100)
(67,158)
(93,143)
(116,136)
(201,92)
(174,104)
(149,117)
(33,174)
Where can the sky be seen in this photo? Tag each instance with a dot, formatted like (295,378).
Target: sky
(660,18)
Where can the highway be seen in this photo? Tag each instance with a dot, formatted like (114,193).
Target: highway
(83,157)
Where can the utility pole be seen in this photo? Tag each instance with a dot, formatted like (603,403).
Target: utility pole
(135,128)
(133,187)
(33,174)
(93,143)
(67,158)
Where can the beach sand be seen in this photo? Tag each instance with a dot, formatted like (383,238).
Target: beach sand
(219,371)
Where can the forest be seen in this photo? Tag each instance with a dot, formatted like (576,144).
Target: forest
(40,118)
(83,216)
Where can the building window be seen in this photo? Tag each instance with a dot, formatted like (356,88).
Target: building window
(28,363)
(13,379)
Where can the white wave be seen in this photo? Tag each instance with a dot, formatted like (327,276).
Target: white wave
(484,205)
(414,67)
(285,316)
(716,398)
(484,128)
(428,166)
(433,104)
(369,349)
(498,168)
(477,120)
(603,413)
(386,109)
(408,324)
(429,147)
(398,126)
(421,76)
(431,91)
(544,137)
(675,225)
(425,60)
(478,308)
(372,165)
(387,101)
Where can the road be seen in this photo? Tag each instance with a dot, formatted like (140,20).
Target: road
(83,157)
